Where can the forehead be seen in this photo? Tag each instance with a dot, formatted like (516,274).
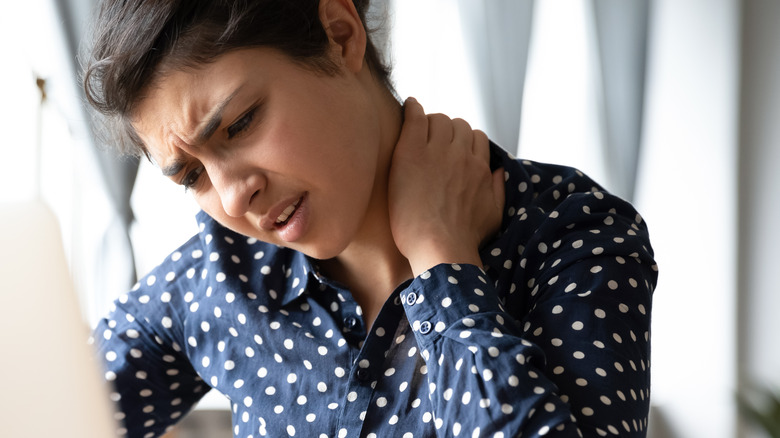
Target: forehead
(179,101)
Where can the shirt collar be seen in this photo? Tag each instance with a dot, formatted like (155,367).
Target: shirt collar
(499,157)
(301,275)
(299,272)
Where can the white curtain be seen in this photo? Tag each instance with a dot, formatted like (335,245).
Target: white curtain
(497,38)
(111,269)
(497,35)
(621,34)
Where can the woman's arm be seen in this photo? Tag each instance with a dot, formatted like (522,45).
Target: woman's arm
(570,356)
(141,345)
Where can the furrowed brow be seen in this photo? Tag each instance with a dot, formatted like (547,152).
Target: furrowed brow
(173,168)
(215,119)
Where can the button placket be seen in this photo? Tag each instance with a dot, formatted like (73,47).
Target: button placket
(350,322)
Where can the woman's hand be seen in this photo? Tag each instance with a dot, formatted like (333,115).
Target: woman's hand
(443,199)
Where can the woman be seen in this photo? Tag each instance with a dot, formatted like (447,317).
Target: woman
(362,268)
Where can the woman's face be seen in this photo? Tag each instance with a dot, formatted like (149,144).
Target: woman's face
(267,147)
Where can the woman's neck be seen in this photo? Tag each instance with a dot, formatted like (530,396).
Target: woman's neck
(371,266)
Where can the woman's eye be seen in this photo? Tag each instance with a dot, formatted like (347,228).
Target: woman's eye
(241,124)
(191,178)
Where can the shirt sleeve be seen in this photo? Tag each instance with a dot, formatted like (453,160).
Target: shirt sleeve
(565,351)
(155,385)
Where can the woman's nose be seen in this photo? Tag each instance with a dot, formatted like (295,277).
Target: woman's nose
(236,189)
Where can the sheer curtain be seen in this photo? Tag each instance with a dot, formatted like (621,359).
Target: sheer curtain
(497,35)
(621,34)
(114,264)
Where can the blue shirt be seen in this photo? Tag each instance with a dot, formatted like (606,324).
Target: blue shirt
(550,337)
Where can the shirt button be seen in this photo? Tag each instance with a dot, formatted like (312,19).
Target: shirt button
(362,374)
(411,298)
(425,327)
(350,322)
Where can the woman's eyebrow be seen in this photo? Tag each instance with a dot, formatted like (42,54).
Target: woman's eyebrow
(173,168)
(216,118)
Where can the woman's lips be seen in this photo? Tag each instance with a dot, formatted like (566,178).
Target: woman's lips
(287,212)
(287,218)
(294,222)
(269,220)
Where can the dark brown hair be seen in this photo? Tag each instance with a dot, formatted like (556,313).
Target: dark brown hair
(133,39)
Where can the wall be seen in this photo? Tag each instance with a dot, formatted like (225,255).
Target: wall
(687,194)
(759,195)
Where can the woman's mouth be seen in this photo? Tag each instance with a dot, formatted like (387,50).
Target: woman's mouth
(292,222)
(287,213)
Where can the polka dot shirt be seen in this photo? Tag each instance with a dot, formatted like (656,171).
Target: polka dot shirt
(550,337)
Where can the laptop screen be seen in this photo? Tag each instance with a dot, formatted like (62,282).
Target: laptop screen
(51,380)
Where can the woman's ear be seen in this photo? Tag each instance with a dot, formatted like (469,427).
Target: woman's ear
(345,31)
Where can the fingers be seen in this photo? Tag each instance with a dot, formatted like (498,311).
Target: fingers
(438,130)
(481,145)
(415,125)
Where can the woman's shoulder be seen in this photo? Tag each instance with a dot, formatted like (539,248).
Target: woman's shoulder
(535,181)
(538,187)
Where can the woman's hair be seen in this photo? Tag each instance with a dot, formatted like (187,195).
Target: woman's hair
(134,39)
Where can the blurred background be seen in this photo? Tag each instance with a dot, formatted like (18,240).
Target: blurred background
(672,104)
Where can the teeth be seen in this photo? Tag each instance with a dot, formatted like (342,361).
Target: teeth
(287,212)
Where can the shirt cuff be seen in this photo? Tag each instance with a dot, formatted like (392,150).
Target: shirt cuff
(448,295)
